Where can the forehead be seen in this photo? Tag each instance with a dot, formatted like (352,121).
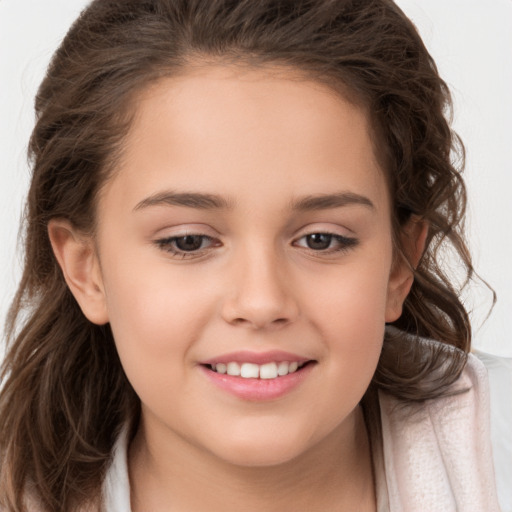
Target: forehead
(229,130)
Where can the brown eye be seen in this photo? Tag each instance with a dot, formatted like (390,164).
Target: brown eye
(326,243)
(319,241)
(187,245)
(189,242)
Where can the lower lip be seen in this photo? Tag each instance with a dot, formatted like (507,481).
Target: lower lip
(258,390)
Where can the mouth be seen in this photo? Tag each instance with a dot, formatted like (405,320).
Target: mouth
(258,376)
(267,371)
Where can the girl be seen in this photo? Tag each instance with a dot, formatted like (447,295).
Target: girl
(232,278)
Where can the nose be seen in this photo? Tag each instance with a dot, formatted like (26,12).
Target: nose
(260,294)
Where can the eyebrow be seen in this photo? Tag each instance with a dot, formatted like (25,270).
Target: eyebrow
(204,201)
(327,201)
(188,199)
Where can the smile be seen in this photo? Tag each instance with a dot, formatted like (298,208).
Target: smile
(263,379)
(270,370)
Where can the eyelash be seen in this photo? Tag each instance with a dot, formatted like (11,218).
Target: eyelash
(168,244)
(343,243)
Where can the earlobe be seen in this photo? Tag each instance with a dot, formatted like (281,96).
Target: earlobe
(413,238)
(79,263)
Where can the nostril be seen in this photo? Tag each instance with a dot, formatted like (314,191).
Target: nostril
(281,320)
(259,324)
(259,311)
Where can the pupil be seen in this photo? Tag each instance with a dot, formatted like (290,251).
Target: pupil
(189,242)
(319,241)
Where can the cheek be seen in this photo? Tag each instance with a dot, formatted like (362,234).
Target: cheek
(350,315)
(155,324)
(147,295)
(156,315)
(353,298)
(355,335)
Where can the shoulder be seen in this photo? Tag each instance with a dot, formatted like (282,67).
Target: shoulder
(438,452)
(499,370)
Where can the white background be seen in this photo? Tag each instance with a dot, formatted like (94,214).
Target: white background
(471,40)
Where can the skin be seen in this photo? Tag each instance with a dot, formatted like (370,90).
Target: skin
(261,141)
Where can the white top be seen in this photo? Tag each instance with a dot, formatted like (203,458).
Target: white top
(434,456)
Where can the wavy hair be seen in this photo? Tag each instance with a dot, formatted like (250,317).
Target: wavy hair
(64,395)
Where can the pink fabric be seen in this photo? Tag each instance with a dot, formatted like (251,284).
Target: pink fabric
(437,455)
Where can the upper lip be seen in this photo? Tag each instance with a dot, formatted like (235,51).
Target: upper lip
(246,356)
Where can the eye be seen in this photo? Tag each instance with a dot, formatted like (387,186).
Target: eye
(326,242)
(186,245)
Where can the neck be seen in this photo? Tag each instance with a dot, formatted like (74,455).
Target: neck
(336,474)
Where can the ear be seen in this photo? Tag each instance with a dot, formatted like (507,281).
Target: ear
(76,255)
(413,238)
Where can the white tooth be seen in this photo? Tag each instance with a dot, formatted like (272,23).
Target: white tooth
(233,369)
(268,371)
(250,371)
(293,367)
(221,368)
(282,368)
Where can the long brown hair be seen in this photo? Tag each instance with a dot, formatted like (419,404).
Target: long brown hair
(65,395)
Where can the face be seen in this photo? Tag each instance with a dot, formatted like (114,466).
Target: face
(248,230)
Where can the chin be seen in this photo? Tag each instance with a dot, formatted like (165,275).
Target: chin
(260,457)
(263,449)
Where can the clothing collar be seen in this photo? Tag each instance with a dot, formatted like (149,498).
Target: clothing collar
(116,486)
